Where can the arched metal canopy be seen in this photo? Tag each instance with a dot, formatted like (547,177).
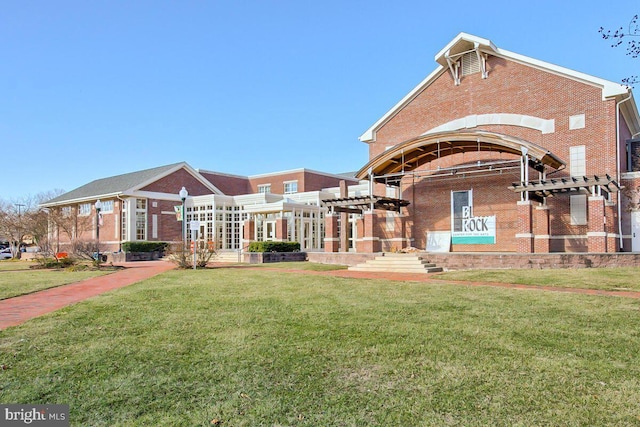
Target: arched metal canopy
(410,154)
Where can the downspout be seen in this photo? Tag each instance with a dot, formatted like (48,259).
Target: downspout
(618,170)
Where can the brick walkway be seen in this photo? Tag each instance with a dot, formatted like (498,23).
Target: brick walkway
(14,311)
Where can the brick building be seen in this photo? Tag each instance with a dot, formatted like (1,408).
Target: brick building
(231,210)
(495,151)
(492,152)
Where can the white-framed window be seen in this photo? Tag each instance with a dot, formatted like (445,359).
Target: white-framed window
(290,187)
(84,209)
(577,160)
(107,206)
(264,188)
(66,211)
(141,219)
(461,206)
(579,209)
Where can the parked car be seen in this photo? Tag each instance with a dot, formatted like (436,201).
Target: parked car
(6,254)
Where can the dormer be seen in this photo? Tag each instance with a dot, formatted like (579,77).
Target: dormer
(465,55)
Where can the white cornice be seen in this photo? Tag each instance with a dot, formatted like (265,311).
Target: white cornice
(82,200)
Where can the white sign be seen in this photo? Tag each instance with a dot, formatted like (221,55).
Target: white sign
(194,225)
(475,229)
(438,241)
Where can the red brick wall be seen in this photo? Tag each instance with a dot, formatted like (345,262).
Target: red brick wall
(169,228)
(430,209)
(276,181)
(307,181)
(510,88)
(174,182)
(517,89)
(228,184)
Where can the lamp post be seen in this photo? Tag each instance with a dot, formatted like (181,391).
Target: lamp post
(98,206)
(183,196)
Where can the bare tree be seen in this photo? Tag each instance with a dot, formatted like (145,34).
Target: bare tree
(66,222)
(23,218)
(628,35)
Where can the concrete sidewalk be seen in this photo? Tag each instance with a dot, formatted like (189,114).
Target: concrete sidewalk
(14,311)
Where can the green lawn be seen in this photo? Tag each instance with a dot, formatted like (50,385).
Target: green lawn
(14,283)
(608,279)
(10,264)
(268,348)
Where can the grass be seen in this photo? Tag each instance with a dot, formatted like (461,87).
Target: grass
(15,283)
(609,279)
(10,264)
(265,348)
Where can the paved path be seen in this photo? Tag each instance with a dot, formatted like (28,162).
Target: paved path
(14,311)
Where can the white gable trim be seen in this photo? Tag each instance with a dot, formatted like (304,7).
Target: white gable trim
(472,121)
(370,134)
(609,89)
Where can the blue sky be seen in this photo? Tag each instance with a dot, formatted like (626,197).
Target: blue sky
(95,89)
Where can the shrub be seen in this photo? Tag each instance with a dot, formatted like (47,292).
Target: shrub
(55,263)
(274,247)
(144,246)
(184,258)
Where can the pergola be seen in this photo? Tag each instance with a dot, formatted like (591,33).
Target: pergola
(539,190)
(359,204)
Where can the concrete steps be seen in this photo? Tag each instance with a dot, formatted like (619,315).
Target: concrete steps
(397,263)
(226,256)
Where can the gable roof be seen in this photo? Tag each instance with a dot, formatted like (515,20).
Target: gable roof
(464,42)
(120,184)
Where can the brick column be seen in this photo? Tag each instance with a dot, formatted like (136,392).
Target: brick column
(331,240)
(281,229)
(541,238)
(249,230)
(524,237)
(360,237)
(403,231)
(370,242)
(344,232)
(597,235)
(611,227)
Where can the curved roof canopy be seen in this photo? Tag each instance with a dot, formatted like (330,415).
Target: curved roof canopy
(413,153)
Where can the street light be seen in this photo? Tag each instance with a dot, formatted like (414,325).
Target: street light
(98,206)
(183,196)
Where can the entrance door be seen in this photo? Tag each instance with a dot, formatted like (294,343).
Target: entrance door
(269,230)
(353,233)
(635,231)
(306,241)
